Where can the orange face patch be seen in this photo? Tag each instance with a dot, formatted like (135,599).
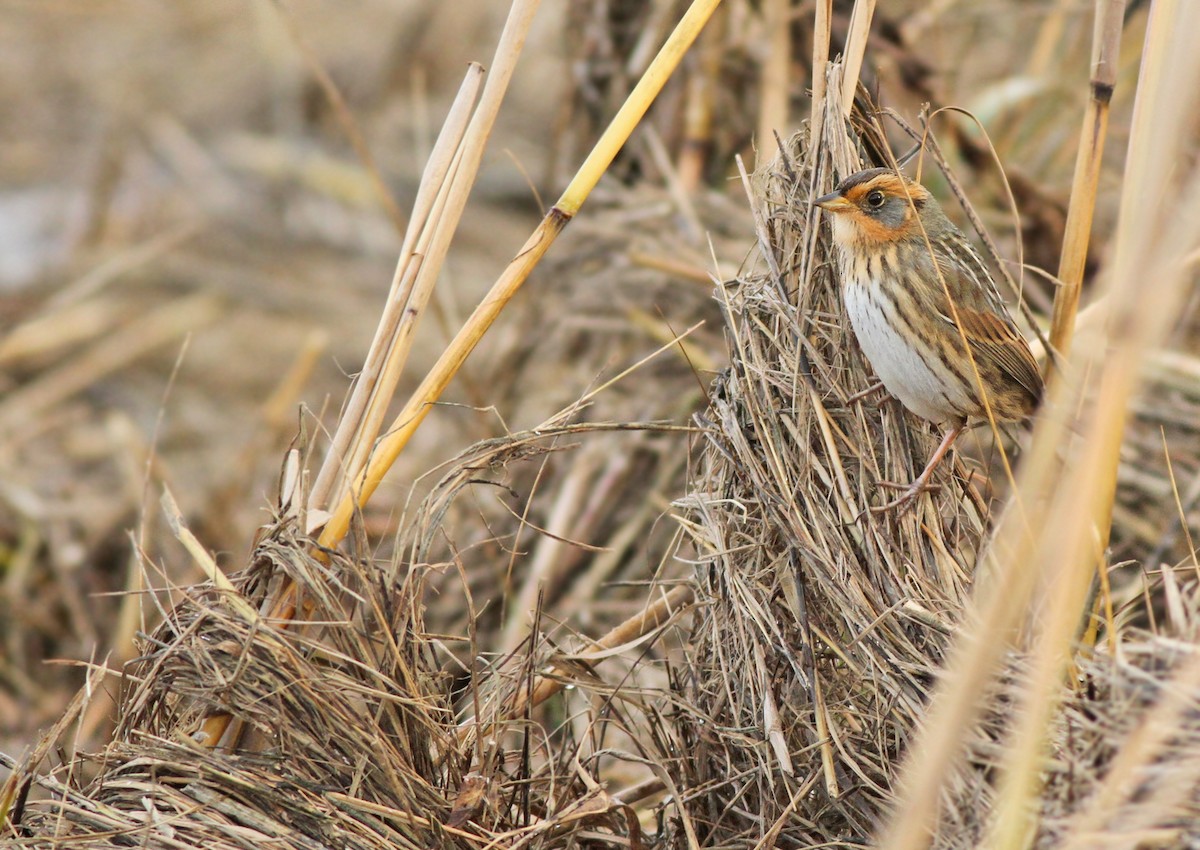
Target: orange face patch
(872,229)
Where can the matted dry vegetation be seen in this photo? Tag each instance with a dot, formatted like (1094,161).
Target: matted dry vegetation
(625,589)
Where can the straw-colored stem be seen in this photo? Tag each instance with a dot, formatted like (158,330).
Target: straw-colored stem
(367,387)
(1105,54)
(856,49)
(822,32)
(518,270)
(773,93)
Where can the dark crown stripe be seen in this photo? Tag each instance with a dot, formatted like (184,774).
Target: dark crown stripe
(861,178)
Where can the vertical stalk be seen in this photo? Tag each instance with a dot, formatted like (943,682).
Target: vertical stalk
(773,92)
(1105,52)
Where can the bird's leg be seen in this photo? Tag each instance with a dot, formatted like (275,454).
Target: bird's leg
(922,481)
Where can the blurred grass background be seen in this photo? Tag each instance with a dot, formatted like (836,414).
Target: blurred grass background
(183,224)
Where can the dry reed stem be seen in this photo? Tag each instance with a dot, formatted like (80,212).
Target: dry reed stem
(1049,38)
(518,271)
(856,49)
(1105,54)
(774,91)
(362,416)
(1056,545)
(822,32)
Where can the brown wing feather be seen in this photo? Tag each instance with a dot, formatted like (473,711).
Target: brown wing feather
(997,340)
(989,329)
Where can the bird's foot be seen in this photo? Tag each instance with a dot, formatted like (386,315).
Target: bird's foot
(906,499)
(921,483)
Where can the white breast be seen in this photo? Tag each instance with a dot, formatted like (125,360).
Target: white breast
(933,395)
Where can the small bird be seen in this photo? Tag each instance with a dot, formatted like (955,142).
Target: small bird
(925,310)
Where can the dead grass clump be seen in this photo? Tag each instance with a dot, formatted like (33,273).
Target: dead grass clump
(350,724)
(1122,765)
(824,623)
(357,712)
(1126,763)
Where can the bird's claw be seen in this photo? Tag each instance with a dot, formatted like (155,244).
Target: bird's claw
(905,499)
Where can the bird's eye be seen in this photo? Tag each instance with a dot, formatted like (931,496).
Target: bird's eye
(875,199)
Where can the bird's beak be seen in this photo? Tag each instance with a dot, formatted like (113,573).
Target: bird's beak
(833,202)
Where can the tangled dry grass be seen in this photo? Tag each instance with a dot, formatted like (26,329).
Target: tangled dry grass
(661,615)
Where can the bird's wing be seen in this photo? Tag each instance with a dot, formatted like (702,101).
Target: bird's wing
(997,340)
(984,319)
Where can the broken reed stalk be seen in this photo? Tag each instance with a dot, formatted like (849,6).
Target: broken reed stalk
(822,32)
(856,49)
(1106,47)
(1055,547)
(416,271)
(506,286)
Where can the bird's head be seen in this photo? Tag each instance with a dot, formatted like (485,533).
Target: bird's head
(877,207)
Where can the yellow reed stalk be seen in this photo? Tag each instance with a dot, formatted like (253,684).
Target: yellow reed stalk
(518,270)
(1105,54)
